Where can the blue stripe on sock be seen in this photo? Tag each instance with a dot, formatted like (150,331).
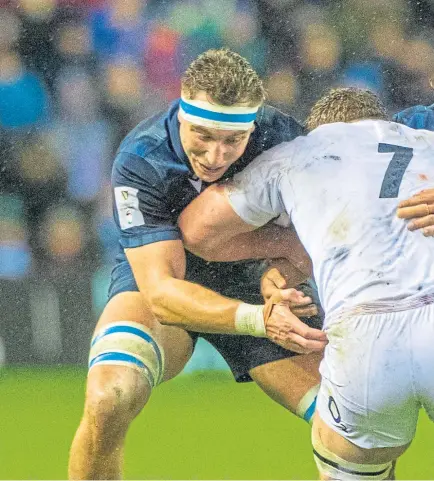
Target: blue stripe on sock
(121,356)
(132,330)
(310,410)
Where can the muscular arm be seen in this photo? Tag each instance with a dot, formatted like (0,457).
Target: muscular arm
(211,229)
(156,254)
(159,270)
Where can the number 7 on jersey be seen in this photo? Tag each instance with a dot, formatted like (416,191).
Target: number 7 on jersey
(395,170)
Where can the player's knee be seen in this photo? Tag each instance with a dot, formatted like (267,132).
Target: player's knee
(113,401)
(331,466)
(112,389)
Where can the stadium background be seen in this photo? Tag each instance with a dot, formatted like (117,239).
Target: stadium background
(75,77)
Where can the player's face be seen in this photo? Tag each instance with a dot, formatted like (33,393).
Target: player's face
(211,151)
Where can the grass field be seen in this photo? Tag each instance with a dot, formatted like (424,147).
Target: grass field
(199,426)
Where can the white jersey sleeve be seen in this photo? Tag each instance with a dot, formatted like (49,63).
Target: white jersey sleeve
(255,193)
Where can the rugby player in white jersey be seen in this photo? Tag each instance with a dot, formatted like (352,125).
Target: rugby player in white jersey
(340,186)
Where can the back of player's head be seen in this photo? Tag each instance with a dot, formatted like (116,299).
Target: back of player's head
(345,105)
(225,76)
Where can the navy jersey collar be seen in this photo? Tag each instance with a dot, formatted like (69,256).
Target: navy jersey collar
(175,138)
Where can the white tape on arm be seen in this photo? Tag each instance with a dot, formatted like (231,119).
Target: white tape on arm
(249,319)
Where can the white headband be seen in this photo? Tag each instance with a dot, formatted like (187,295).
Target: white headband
(206,114)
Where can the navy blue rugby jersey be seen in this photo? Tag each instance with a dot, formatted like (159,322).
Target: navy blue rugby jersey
(152,179)
(417,117)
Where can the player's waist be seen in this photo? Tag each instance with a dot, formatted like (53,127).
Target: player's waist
(382,306)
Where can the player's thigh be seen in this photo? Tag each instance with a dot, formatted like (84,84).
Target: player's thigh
(175,343)
(423,358)
(337,444)
(367,393)
(288,380)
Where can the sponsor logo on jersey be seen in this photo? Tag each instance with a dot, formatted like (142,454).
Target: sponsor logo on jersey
(127,205)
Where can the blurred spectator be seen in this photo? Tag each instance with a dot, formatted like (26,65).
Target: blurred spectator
(24,100)
(81,137)
(15,255)
(282,89)
(40,19)
(74,45)
(119,28)
(41,178)
(77,75)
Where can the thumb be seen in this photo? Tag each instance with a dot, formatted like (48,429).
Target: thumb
(274,276)
(288,295)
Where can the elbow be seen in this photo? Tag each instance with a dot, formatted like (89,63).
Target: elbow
(199,245)
(156,301)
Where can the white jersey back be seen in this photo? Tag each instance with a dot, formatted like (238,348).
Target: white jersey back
(341,186)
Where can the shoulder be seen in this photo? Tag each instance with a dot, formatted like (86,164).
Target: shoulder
(147,136)
(342,131)
(277,126)
(145,150)
(417,117)
(276,161)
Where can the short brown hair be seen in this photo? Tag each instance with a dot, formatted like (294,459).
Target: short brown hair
(345,105)
(226,77)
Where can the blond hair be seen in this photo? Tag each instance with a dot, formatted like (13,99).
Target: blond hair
(225,76)
(345,105)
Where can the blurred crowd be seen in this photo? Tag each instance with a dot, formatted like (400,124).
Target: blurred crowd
(77,75)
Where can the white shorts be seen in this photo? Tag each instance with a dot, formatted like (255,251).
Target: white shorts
(377,372)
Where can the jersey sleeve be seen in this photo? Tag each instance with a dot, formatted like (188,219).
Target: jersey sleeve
(417,117)
(254,193)
(140,203)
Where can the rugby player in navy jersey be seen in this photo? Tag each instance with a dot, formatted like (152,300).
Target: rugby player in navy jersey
(161,297)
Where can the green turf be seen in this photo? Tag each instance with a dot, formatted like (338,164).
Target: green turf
(200,426)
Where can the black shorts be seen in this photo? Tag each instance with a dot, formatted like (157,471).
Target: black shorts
(240,280)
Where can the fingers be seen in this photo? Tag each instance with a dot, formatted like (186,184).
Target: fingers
(422,197)
(428,231)
(287,330)
(292,297)
(308,311)
(306,346)
(419,210)
(271,281)
(295,342)
(426,221)
(275,277)
(310,333)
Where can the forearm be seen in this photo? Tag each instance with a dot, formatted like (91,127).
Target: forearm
(196,308)
(257,244)
(269,242)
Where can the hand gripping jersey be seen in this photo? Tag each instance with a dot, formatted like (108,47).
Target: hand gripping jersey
(340,185)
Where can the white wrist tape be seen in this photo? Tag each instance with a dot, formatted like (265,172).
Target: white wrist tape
(249,319)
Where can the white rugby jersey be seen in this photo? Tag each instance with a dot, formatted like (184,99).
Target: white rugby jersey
(340,186)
